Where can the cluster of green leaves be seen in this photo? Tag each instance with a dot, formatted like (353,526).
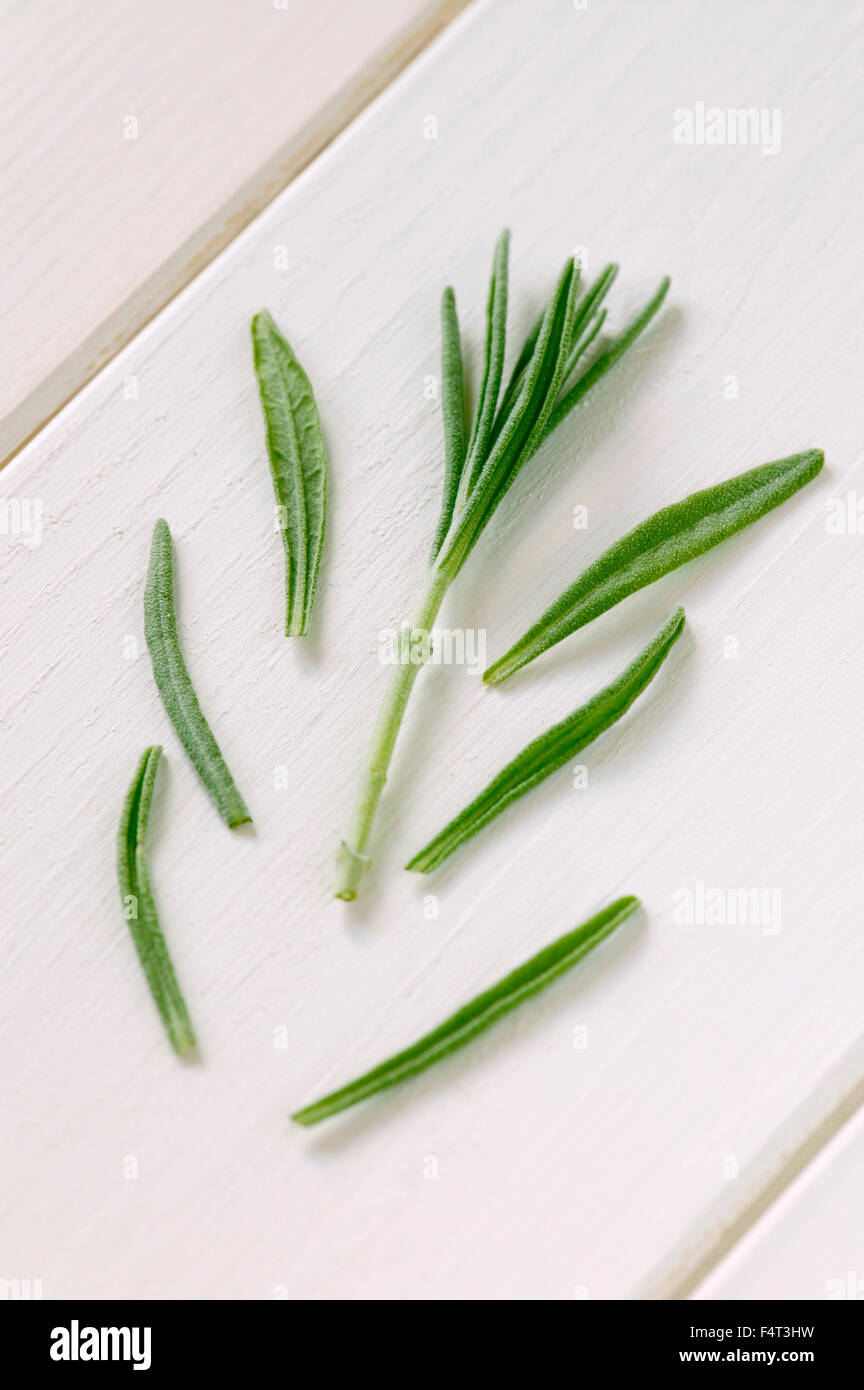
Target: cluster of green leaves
(548,379)
(561,359)
(553,371)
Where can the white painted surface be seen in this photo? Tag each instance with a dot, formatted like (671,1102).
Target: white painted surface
(810,1245)
(137,140)
(559,1170)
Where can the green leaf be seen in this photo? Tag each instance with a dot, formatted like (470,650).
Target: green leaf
(474,1018)
(666,540)
(139,908)
(175,687)
(493,367)
(553,749)
(453,412)
(606,359)
(583,342)
(512,388)
(587,313)
(298,465)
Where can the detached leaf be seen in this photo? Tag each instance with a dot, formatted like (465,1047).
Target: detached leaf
(298,464)
(175,685)
(666,540)
(528,979)
(553,749)
(139,908)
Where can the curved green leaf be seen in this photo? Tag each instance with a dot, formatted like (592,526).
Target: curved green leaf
(139,908)
(666,540)
(175,687)
(473,1018)
(552,749)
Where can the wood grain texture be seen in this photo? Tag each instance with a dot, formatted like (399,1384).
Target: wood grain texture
(139,138)
(810,1245)
(531,1166)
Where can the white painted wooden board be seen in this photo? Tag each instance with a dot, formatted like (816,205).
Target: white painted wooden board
(139,137)
(810,1244)
(530,1167)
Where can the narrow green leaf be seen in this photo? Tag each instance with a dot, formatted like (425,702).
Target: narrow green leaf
(582,343)
(298,465)
(474,1018)
(591,302)
(666,540)
(139,908)
(175,687)
(515,381)
(553,749)
(493,367)
(453,412)
(607,359)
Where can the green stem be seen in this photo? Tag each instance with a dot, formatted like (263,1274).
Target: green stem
(352,859)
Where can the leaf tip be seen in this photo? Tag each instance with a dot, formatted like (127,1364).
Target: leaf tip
(624,906)
(262,320)
(493,674)
(816,458)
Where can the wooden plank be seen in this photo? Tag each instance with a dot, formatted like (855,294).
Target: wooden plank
(138,139)
(810,1245)
(535,1166)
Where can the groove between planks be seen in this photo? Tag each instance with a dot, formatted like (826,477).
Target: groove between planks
(63,380)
